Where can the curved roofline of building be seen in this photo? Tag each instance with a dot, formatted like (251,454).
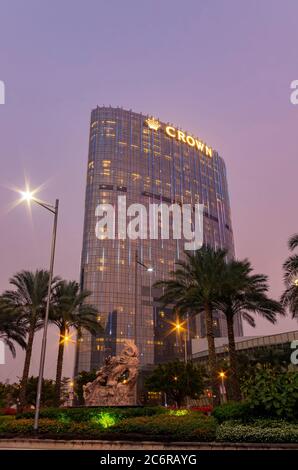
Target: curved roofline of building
(252,341)
(148,115)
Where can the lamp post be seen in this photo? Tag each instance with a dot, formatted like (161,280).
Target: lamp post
(29,196)
(148,269)
(223,376)
(179,327)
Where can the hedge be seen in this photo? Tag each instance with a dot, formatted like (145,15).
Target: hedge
(189,427)
(87,414)
(192,426)
(233,411)
(259,431)
(47,426)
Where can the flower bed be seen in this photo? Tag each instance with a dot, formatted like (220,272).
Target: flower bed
(151,423)
(191,426)
(85,414)
(258,431)
(8,411)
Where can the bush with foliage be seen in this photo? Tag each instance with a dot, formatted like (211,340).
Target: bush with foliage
(82,379)
(233,411)
(7,395)
(8,411)
(207,409)
(5,418)
(190,427)
(272,393)
(258,431)
(92,413)
(50,427)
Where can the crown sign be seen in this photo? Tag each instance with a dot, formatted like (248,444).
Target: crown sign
(153,124)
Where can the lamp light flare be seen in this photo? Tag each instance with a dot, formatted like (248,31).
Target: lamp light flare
(66,339)
(222,375)
(27,195)
(176,326)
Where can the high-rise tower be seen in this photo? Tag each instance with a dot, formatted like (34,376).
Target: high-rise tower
(147,161)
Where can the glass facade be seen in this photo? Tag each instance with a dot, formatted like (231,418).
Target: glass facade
(127,157)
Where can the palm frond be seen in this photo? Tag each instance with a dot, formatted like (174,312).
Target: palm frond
(293,242)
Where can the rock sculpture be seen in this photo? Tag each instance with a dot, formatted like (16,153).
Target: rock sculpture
(116,380)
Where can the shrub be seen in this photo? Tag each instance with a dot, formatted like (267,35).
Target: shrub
(178,412)
(203,409)
(232,411)
(192,426)
(8,411)
(272,393)
(104,419)
(87,414)
(5,418)
(259,431)
(48,426)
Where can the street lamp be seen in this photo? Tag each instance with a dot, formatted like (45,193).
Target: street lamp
(66,339)
(149,269)
(296,282)
(222,376)
(29,197)
(179,328)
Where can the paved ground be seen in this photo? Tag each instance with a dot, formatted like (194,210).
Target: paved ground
(50,444)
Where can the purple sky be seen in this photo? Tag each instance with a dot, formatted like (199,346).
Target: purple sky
(220,69)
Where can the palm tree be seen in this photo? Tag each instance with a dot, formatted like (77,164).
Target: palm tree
(291,264)
(12,329)
(70,312)
(28,301)
(290,296)
(243,294)
(195,287)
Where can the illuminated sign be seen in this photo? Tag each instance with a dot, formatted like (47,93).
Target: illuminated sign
(189,140)
(153,124)
(180,136)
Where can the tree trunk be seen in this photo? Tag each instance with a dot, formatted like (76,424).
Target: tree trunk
(59,365)
(26,369)
(236,393)
(211,354)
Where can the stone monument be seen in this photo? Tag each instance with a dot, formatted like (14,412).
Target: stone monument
(116,380)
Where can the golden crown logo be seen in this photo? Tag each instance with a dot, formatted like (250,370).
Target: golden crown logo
(153,124)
